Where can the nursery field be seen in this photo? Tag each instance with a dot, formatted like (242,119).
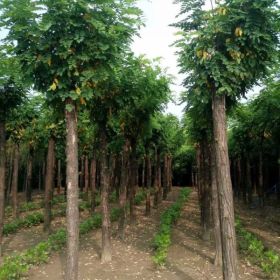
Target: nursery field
(121,165)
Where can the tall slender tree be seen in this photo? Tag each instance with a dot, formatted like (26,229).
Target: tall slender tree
(220,52)
(66,61)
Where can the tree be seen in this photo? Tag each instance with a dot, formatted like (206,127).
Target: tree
(11,94)
(226,51)
(66,61)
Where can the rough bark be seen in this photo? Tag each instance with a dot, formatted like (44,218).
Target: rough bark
(49,181)
(2,180)
(93,184)
(215,210)
(123,189)
(72,182)
(106,253)
(224,185)
(15,182)
(149,184)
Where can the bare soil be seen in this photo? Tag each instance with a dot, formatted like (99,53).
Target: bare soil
(189,257)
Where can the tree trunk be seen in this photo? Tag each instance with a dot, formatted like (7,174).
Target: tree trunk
(149,184)
(123,189)
(215,210)
(86,176)
(224,189)
(15,182)
(43,173)
(143,177)
(49,180)
(249,181)
(165,177)
(160,191)
(156,183)
(59,176)
(82,174)
(112,163)
(169,173)
(72,182)
(40,177)
(260,180)
(106,254)
(10,176)
(28,190)
(278,193)
(93,184)
(2,180)
(205,191)
(132,184)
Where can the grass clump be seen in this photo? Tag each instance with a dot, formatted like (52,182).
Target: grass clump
(162,239)
(29,221)
(140,197)
(256,253)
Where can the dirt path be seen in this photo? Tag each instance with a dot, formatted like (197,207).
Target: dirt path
(189,257)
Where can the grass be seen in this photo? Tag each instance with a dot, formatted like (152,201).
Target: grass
(256,252)
(162,239)
(16,267)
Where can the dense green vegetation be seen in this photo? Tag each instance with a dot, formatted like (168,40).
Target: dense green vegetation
(162,239)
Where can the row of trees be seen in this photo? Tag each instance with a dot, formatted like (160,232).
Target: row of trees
(254,145)
(95,94)
(223,51)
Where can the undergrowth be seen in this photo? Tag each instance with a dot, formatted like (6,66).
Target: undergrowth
(162,239)
(16,267)
(256,253)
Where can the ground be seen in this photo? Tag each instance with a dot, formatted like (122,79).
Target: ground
(189,257)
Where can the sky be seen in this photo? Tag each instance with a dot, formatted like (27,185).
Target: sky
(155,41)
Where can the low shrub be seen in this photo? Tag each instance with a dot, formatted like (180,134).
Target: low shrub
(16,267)
(256,253)
(162,239)
(140,197)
